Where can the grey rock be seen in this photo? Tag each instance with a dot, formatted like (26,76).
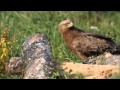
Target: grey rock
(105,59)
(37,57)
(112,60)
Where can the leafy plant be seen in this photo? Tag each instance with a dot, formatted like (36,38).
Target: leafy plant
(5,49)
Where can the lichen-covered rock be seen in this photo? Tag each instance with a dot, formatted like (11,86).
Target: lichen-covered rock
(112,60)
(105,59)
(14,66)
(37,57)
(38,70)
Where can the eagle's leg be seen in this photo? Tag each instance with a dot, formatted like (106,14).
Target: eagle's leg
(82,56)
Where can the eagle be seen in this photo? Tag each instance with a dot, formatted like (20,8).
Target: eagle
(86,44)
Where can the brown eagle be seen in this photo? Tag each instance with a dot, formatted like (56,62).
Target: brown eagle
(86,44)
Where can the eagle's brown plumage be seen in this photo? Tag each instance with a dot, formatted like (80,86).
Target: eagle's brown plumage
(86,44)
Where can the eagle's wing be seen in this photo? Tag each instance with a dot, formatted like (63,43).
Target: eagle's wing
(88,42)
(99,36)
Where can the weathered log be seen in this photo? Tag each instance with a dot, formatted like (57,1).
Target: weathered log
(90,71)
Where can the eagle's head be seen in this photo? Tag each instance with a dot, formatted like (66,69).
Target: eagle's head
(65,25)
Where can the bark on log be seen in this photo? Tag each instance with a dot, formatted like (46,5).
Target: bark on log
(90,71)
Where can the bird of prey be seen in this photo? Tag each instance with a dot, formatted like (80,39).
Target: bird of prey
(86,44)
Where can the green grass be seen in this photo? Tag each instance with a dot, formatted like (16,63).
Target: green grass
(59,74)
(115,76)
(26,23)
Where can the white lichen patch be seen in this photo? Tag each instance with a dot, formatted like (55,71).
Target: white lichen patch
(38,70)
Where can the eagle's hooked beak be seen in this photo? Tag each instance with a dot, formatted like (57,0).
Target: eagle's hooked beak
(70,24)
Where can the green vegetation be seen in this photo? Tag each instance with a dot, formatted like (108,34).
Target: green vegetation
(22,24)
(115,76)
(59,74)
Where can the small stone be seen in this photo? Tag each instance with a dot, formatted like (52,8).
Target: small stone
(14,66)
